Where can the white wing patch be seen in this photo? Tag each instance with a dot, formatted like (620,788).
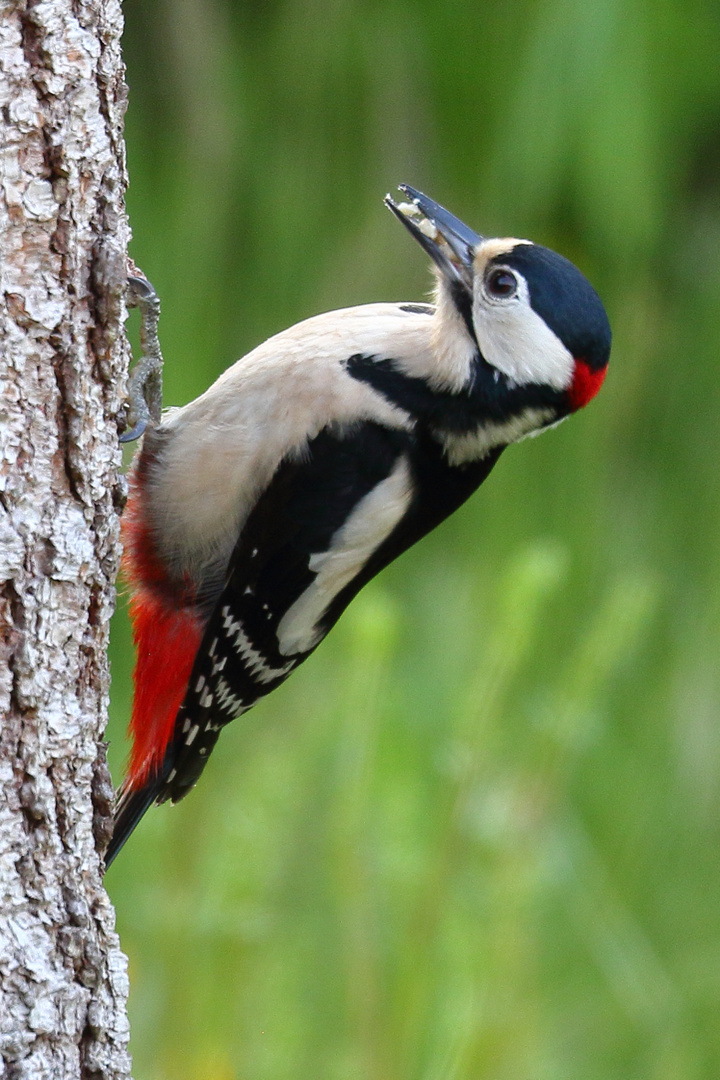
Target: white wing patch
(370,523)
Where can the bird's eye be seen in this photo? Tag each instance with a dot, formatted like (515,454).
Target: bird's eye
(501,284)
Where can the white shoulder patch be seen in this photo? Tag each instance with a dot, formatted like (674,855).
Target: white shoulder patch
(370,523)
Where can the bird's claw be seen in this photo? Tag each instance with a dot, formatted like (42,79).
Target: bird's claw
(145,383)
(135,432)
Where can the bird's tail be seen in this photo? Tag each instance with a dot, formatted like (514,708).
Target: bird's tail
(131,804)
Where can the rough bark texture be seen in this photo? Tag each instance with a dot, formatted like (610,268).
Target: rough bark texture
(63,234)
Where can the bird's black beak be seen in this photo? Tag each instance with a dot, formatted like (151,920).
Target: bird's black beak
(448,242)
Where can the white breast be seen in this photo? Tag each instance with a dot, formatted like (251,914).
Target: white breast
(222,449)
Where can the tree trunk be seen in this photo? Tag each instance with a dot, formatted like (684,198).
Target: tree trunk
(64,355)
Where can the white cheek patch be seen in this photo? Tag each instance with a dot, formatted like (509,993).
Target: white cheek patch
(370,523)
(514,339)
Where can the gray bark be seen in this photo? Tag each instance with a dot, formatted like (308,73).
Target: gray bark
(63,237)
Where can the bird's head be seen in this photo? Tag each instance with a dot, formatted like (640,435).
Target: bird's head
(534,319)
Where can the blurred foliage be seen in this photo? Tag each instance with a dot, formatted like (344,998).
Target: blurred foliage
(478,834)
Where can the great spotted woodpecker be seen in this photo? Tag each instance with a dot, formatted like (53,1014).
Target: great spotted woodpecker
(258,511)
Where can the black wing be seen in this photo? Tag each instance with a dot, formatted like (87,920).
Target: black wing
(293,523)
(274,564)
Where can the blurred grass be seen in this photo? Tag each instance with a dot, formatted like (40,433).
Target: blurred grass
(477,835)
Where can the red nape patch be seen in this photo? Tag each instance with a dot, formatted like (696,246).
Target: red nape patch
(585,384)
(167,642)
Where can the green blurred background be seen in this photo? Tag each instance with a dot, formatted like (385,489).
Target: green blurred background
(477,836)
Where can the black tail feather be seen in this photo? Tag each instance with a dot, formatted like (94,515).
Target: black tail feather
(177,775)
(131,806)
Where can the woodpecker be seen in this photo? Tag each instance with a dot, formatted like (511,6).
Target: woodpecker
(259,510)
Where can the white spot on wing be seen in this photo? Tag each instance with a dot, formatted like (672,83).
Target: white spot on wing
(371,522)
(254,660)
(228,701)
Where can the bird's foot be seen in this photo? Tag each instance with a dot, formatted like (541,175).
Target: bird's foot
(145,383)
